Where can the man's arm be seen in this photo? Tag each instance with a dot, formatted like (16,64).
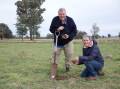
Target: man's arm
(73,29)
(53,26)
(92,56)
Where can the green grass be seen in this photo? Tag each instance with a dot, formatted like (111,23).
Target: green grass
(27,66)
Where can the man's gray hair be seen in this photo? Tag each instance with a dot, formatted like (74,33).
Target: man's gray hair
(61,9)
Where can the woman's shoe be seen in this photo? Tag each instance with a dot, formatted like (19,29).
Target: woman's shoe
(91,78)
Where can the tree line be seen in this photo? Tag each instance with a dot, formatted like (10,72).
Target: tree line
(5,32)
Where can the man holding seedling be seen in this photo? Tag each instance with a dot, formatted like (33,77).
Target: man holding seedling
(64,30)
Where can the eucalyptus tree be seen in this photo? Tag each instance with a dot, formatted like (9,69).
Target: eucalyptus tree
(30,14)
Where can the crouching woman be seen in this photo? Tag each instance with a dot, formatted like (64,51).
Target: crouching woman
(92,59)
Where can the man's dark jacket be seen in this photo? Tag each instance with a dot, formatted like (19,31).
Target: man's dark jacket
(69,29)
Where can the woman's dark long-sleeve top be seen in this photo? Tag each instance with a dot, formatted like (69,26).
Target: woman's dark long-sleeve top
(91,53)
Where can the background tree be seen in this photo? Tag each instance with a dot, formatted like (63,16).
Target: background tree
(49,36)
(95,30)
(21,30)
(29,13)
(80,34)
(37,35)
(119,34)
(5,32)
(35,32)
(109,35)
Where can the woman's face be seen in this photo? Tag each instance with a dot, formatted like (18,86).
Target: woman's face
(86,42)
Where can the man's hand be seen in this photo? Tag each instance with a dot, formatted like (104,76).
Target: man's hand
(60,28)
(65,36)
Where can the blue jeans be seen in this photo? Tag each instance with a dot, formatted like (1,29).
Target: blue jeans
(92,68)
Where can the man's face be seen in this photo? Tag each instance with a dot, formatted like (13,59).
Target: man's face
(62,15)
(87,42)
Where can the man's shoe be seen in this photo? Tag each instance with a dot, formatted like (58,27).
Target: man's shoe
(67,69)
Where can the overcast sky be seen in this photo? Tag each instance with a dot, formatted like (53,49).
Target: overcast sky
(106,13)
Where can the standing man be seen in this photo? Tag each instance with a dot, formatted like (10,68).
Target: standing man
(64,27)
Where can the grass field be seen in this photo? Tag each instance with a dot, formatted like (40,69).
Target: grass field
(27,66)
